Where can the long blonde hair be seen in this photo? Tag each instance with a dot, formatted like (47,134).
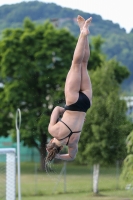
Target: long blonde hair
(52,150)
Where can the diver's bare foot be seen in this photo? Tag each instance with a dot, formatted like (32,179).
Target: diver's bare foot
(81,22)
(85,28)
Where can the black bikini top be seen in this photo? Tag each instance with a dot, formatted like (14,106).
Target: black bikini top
(71,132)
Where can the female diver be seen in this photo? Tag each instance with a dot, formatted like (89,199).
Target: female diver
(78,96)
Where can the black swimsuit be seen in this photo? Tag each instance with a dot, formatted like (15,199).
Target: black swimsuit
(82,105)
(71,132)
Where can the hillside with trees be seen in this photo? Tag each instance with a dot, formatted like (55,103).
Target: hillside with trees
(118,43)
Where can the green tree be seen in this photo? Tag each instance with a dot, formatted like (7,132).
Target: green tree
(98,58)
(34,63)
(106,127)
(118,43)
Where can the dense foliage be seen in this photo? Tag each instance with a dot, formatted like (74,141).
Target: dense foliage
(118,43)
(33,68)
(106,126)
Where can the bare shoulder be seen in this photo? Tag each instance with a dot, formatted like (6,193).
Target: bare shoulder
(74,139)
(72,150)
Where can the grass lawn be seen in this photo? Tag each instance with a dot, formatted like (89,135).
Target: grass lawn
(77,184)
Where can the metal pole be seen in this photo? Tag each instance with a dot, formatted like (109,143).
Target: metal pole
(63,172)
(36,189)
(64,177)
(117,174)
(18,124)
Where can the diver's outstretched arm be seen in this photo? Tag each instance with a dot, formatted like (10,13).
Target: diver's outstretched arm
(72,151)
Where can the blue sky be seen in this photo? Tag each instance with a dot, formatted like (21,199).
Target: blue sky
(118,11)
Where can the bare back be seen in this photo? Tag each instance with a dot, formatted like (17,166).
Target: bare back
(74,121)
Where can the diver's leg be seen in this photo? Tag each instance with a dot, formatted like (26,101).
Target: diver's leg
(85,86)
(73,81)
